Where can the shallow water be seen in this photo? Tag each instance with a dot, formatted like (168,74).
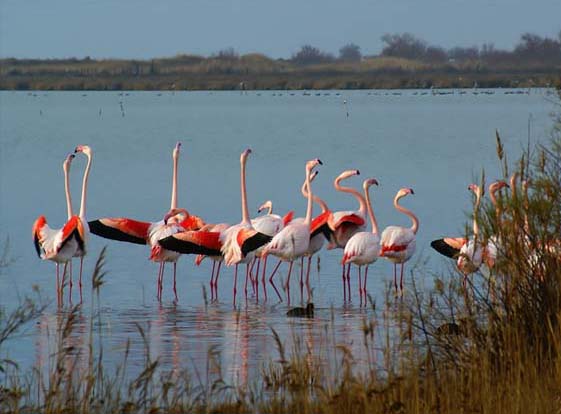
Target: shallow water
(436,144)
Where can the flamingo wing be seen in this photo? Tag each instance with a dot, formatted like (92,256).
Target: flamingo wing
(192,223)
(341,218)
(250,240)
(288,218)
(72,229)
(121,229)
(38,230)
(320,225)
(194,242)
(449,246)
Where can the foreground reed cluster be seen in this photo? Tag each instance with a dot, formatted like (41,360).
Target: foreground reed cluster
(492,346)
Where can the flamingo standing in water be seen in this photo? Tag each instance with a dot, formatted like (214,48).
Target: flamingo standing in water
(398,243)
(138,232)
(240,241)
(269,224)
(363,247)
(59,245)
(340,226)
(293,240)
(81,251)
(471,253)
(316,237)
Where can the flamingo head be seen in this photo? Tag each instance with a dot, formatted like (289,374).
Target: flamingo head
(176,215)
(497,185)
(369,182)
(404,191)
(346,174)
(176,149)
(244,155)
(477,190)
(267,204)
(310,165)
(316,172)
(85,149)
(68,161)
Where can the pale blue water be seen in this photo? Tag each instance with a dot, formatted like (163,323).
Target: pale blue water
(435,144)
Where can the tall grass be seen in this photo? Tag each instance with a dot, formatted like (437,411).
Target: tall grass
(494,346)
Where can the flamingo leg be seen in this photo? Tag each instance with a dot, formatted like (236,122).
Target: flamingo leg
(263,277)
(308,276)
(235,290)
(81,267)
(64,273)
(174,283)
(247,276)
(360,281)
(301,279)
(364,282)
(216,279)
(395,276)
(401,279)
(257,279)
(212,281)
(288,282)
(58,284)
(160,280)
(344,285)
(349,280)
(271,280)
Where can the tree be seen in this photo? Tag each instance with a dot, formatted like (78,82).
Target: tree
(403,45)
(227,54)
(350,53)
(309,55)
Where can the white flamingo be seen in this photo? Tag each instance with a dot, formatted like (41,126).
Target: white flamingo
(363,247)
(398,243)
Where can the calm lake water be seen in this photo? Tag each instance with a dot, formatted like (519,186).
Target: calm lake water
(435,144)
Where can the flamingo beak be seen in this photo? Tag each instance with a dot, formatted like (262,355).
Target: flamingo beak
(319,162)
(357,172)
(412,192)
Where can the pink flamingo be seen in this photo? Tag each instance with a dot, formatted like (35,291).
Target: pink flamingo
(81,251)
(139,232)
(293,240)
(269,224)
(59,245)
(363,247)
(240,241)
(341,225)
(398,243)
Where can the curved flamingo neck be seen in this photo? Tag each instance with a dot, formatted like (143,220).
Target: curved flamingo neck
(493,197)
(355,193)
(174,182)
(309,208)
(370,211)
(245,209)
(322,204)
(476,213)
(270,209)
(407,212)
(67,192)
(85,186)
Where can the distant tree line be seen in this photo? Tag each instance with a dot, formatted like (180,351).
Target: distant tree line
(530,48)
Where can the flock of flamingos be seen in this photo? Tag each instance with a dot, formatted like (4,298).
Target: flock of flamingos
(252,240)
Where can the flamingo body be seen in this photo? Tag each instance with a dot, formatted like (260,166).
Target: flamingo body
(362,249)
(397,244)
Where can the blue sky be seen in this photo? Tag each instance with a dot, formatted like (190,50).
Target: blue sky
(155,28)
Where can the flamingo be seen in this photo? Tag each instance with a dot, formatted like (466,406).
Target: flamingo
(471,253)
(81,251)
(133,231)
(240,241)
(269,224)
(59,245)
(340,226)
(293,240)
(316,236)
(363,247)
(398,243)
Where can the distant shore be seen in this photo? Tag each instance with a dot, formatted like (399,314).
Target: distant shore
(257,72)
